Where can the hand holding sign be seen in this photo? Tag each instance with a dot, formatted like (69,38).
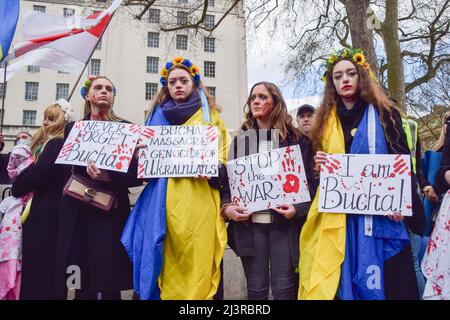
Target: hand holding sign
(287,210)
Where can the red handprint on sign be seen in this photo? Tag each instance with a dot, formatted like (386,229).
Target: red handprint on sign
(124,153)
(292,183)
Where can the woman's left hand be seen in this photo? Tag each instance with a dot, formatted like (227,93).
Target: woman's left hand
(396,217)
(286,210)
(95,173)
(203,177)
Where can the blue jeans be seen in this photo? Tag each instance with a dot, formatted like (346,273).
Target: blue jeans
(271,264)
(416,242)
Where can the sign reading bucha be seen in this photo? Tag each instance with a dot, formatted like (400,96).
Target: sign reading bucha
(109,144)
(375,184)
(264,180)
(179,151)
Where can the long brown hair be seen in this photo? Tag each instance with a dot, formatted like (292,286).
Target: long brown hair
(159,98)
(44,134)
(368,90)
(279,116)
(87,106)
(440,142)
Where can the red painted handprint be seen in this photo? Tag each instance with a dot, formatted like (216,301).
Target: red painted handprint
(292,183)
(125,153)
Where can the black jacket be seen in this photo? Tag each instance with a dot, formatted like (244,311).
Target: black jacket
(45,179)
(90,237)
(240,237)
(441,185)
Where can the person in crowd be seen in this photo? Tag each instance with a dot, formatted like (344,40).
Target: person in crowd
(267,240)
(436,260)
(367,257)
(44,179)
(21,137)
(88,246)
(305,118)
(175,235)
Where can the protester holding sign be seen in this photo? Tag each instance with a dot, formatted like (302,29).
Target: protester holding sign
(90,257)
(175,231)
(357,256)
(45,179)
(267,240)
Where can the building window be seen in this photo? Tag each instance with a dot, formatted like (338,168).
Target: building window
(209,21)
(67,12)
(210,69)
(212,91)
(182,41)
(150,90)
(99,45)
(63,72)
(39,8)
(211,3)
(2,87)
(94,67)
(210,44)
(153,15)
(153,40)
(152,64)
(182,1)
(31,91)
(33,69)
(62,90)
(182,18)
(29,117)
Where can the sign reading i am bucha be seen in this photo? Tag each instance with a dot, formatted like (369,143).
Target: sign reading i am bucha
(372,184)
(179,151)
(109,144)
(264,180)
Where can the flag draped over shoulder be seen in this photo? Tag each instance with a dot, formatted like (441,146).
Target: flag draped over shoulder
(322,240)
(9,13)
(63,44)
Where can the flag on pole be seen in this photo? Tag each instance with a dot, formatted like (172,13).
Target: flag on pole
(9,13)
(63,44)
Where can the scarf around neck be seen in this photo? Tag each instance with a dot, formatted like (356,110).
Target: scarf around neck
(179,113)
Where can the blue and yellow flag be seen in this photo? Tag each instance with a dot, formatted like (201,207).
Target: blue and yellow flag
(9,13)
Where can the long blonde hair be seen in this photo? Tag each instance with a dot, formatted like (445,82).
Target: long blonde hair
(44,134)
(159,98)
(440,142)
(87,106)
(368,89)
(279,115)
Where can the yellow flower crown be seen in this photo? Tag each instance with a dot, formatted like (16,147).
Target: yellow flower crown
(193,69)
(347,53)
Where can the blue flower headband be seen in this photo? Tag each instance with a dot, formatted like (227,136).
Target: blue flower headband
(193,70)
(87,84)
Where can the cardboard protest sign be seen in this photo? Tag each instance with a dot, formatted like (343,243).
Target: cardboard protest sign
(375,184)
(109,144)
(179,151)
(264,180)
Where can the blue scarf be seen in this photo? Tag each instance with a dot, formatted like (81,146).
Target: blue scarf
(362,272)
(179,113)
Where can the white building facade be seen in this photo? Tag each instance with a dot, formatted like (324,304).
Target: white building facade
(131,53)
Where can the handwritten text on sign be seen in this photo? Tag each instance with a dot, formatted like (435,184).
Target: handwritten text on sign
(109,144)
(179,151)
(366,184)
(265,180)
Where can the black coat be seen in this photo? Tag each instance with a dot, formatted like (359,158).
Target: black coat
(45,179)
(441,185)
(240,234)
(90,237)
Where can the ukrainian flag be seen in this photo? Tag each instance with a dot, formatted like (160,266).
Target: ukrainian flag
(9,13)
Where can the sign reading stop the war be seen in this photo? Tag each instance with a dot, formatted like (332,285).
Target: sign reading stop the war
(110,145)
(265,180)
(374,184)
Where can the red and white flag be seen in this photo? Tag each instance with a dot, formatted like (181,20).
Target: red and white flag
(63,44)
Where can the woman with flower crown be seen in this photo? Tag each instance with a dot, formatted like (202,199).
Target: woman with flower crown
(44,178)
(357,256)
(89,254)
(175,235)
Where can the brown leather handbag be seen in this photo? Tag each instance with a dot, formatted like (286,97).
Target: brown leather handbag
(90,192)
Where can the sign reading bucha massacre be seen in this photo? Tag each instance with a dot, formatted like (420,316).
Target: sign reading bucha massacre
(109,144)
(372,184)
(265,180)
(179,151)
